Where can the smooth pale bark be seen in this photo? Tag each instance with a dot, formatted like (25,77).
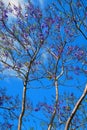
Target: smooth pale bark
(56,102)
(24,90)
(76,108)
(23,107)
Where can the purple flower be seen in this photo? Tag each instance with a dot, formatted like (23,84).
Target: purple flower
(79,54)
(85,71)
(77,68)
(6,54)
(41,36)
(49,21)
(58,26)
(46,32)
(1,101)
(10,10)
(25,35)
(30,6)
(70,77)
(13,28)
(36,109)
(70,50)
(1,4)
(58,18)
(19,65)
(43,25)
(3,37)
(64,107)
(79,4)
(86,14)
(32,28)
(5,14)
(50,108)
(10,125)
(66,30)
(15,8)
(72,94)
(38,13)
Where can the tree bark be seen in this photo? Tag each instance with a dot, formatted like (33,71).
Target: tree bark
(23,106)
(76,108)
(24,90)
(56,102)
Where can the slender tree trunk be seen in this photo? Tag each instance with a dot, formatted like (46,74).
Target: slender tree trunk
(75,108)
(56,102)
(23,106)
(24,90)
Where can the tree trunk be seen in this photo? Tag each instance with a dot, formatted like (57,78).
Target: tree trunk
(56,102)
(75,108)
(23,106)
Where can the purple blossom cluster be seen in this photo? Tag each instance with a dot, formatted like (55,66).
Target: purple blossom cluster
(32,11)
(41,36)
(58,26)
(1,100)
(5,14)
(79,4)
(1,4)
(76,52)
(40,106)
(49,21)
(6,125)
(69,31)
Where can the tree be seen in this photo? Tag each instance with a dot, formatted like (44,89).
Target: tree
(33,32)
(64,109)
(18,51)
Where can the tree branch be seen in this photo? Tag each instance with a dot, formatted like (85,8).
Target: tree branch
(76,108)
(24,90)
(56,102)
(23,106)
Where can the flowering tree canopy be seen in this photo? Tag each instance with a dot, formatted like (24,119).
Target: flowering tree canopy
(44,49)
